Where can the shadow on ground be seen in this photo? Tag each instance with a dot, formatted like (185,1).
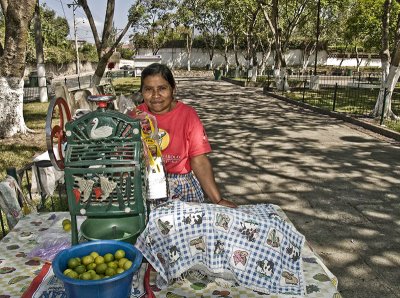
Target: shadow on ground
(338,185)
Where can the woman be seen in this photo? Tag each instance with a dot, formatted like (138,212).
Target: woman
(184,144)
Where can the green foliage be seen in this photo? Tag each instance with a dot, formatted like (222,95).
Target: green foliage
(88,53)
(55,29)
(55,55)
(126,53)
(56,46)
(363,26)
(155,24)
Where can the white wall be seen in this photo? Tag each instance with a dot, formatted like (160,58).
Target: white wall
(177,57)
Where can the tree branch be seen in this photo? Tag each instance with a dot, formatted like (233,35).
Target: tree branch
(108,22)
(268,19)
(118,40)
(89,15)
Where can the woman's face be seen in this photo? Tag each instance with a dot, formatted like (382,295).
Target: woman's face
(157,94)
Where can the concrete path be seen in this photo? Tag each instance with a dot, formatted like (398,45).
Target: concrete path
(339,185)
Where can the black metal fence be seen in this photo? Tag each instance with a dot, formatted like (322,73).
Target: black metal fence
(31,93)
(354,94)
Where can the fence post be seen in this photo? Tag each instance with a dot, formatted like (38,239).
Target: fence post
(304,88)
(359,79)
(334,97)
(383,106)
(65,81)
(79,82)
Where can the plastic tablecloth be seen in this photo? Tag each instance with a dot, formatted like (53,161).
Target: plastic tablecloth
(20,274)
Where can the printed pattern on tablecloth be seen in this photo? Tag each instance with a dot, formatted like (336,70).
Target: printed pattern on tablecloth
(251,244)
(16,270)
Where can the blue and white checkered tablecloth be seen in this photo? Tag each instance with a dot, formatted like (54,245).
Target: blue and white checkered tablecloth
(251,245)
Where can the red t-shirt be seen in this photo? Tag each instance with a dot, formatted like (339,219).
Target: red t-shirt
(182,136)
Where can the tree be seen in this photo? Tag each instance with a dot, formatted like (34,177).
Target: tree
(390,66)
(232,24)
(210,26)
(56,46)
(126,53)
(361,27)
(188,17)
(104,51)
(283,18)
(251,10)
(157,22)
(17,15)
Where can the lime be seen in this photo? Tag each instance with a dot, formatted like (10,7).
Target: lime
(85,276)
(78,260)
(67,227)
(99,260)
(121,262)
(96,277)
(66,221)
(108,257)
(66,271)
(119,270)
(119,254)
(73,263)
(91,266)
(72,274)
(112,264)
(92,273)
(110,271)
(101,268)
(86,260)
(80,269)
(94,254)
(127,265)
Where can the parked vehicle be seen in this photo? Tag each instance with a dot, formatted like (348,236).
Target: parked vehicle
(126,67)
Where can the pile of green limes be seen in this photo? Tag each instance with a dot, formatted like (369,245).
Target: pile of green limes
(95,266)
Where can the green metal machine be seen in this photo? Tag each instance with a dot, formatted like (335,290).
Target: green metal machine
(102,158)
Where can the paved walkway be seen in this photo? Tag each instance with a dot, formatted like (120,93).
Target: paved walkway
(340,186)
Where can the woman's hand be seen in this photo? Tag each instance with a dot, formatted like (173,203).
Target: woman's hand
(227,203)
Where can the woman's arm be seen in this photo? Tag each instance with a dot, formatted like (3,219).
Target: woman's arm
(203,171)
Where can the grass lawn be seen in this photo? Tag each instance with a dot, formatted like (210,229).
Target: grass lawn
(126,85)
(20,150)
(348,100)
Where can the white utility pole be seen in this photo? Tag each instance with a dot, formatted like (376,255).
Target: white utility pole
(74,6)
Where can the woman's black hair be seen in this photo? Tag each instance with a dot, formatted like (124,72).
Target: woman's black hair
(157,69)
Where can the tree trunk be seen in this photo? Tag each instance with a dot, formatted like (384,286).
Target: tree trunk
(390,70)
(280,71)
(254,71)
(104,52)
(236,50)
(358,59)
(11,107)
(189,45)
(266,52)
(101,67)
(40,56)
(18,15)
(307,52)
